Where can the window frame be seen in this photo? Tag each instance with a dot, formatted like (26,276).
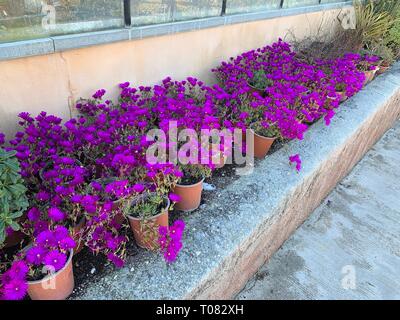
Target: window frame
(48,45)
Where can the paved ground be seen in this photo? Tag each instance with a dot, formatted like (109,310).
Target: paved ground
(349,248)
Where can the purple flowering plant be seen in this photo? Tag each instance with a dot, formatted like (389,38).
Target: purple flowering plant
(48,254)
(92,166)
(170,240)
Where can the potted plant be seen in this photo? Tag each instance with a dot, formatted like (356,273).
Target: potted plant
(341,91)
(259,82)
(13,199)
(367,65)
(190,186)
(103,205)
(63,179)
(386,57)
(44,269)
(264,136)
(146,213)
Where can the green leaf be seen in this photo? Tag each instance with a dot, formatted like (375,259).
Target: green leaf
(16,214)
(15,226)
(2,236)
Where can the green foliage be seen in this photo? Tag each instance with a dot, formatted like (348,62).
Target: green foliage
(384,52)
(270,132)
(147,206)
(13,199)
(193,173)
(371,24)
(260,80)
(393,38)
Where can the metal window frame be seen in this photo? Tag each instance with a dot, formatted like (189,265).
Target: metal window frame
(20,49)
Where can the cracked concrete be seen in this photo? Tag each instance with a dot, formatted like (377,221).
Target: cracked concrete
(349,248)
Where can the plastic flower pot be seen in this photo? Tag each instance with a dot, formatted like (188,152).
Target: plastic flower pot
(76,235)
(57,286)
(139,225)
(261,144)
(190,196)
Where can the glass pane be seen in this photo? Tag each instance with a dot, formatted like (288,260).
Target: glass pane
(27,19)
(238,6)
(299,3)
(161,11)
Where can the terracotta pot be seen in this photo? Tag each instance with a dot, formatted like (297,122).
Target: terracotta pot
(137,225)
(190,196)
(75,233)
(382,69)
(261,145)
(343,96)
(117,206)
(369,75)
(58,286)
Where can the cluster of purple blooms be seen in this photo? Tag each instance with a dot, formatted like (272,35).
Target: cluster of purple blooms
(299,92)
(48,253)
(170,240)
(86,167)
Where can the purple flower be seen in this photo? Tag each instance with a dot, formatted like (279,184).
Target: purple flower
(42,196)
(56,214)
(19,270)
(67,243)
(174,197)
(170,240)
(46,238)
(296,159)
(15,289)
(40,226)
(138,188)
(55,259)
(35,255)
(118,262)
(34,214)
(99,94)
(60,232)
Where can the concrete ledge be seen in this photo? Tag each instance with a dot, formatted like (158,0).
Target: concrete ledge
(80,40)
(232,236)
(27,48)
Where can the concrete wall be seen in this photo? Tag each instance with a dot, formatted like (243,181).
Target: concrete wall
(54,82)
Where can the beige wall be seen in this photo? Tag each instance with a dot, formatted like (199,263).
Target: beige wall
(54,82)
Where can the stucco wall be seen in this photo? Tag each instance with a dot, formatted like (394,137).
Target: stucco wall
(54,82)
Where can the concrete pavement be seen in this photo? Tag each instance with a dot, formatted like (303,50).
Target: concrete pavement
(349,248)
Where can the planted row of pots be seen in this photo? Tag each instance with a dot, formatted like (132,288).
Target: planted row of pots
(108,140)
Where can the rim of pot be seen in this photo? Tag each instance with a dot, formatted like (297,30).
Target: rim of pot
(152,217)
(191,185)
(48,277)
(256,134)
(253,87)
